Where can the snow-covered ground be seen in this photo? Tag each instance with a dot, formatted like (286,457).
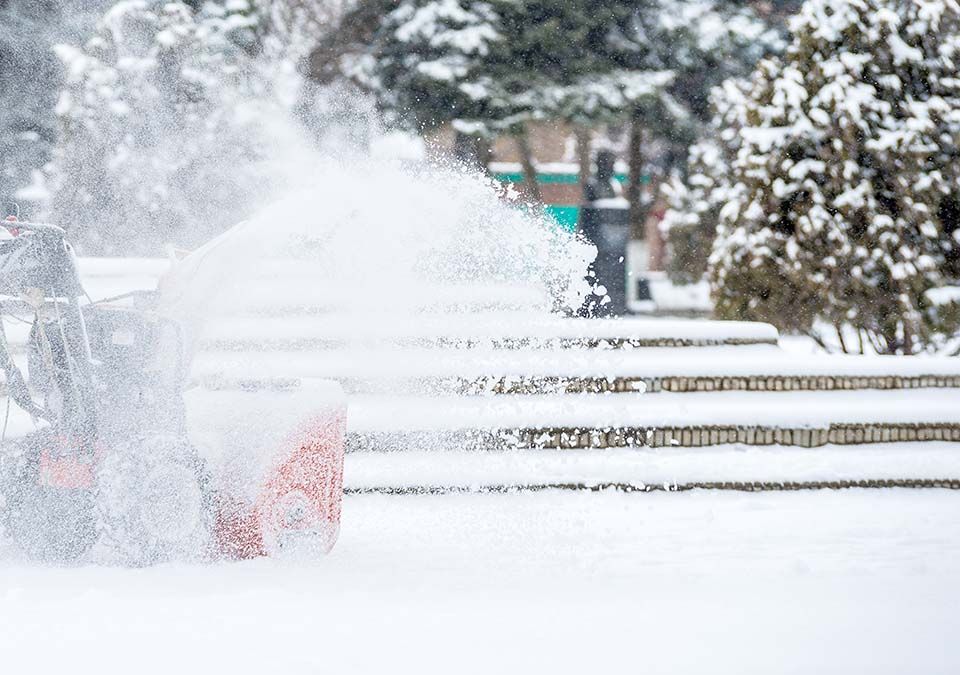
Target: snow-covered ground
(377,413)
(704,582)
(742,361)
(652,466)
(555,582)
(369,414)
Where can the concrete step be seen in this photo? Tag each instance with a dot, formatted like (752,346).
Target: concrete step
(693,436)
(494,330)
(575,371)
(662,468)
(247,337)
(805,419)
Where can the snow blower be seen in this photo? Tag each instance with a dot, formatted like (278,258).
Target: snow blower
(111,459)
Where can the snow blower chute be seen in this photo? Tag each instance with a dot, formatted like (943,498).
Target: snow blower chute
(115,453)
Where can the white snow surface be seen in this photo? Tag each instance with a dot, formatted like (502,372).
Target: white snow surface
(485,326)
(384,413)
(816,582)
(94,268)
(671,297)
(105,277)
(652,466)
(473,326)
(381,362)
(387,413)
(380,413)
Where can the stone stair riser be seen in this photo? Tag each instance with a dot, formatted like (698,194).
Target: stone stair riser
(662,437)
(641,488)
(678,384)
(514,386)
(481,343)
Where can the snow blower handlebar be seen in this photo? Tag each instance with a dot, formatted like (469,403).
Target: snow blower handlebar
(37,264)
(17,385)
(37,256)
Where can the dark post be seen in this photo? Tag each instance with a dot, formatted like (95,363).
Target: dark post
(605,222)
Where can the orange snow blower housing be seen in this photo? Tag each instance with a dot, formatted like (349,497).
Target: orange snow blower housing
(298,505)
(275,447)
(129,448)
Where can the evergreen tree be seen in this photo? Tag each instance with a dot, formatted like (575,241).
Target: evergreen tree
(154,144)
(491,67)
(426,61)
(554,62)
(700,43)
(696,196)
(30,75)
(694,203)
(844,166)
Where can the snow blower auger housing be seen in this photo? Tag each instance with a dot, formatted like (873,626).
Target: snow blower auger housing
(110,458)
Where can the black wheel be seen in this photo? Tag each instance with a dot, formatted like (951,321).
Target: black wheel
(46,523)
(154,502)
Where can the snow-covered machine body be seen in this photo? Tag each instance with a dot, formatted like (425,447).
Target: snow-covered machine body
(120,451)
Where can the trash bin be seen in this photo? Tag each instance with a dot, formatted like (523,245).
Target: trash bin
(606,224)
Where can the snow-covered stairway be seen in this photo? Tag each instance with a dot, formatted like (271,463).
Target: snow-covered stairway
(505,383)
(373,368)
(636,404)
(730,385)
(924,465)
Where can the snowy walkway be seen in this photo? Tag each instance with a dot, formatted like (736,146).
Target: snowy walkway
(704,582)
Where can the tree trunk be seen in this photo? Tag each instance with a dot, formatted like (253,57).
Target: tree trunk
(531,185)
(843,343)
(908,332)
(471,150)
(484,153)
(635,187)
(583,156)
(652,215)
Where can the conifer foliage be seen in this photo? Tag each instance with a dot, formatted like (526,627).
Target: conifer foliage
(495,64)
(30,76)
(152,145)
(696,195)
(427,61)
(844,174)
(690,222)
